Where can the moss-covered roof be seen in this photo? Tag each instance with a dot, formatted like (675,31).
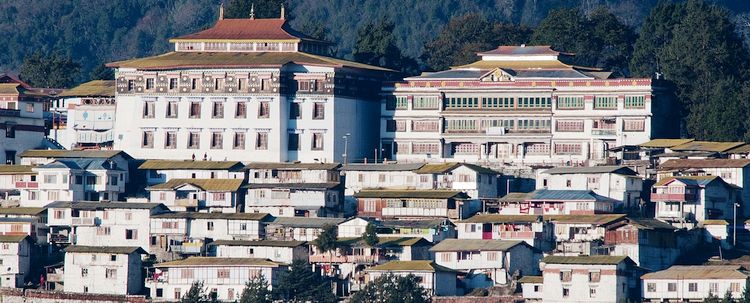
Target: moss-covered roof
(95,88)
(218,261)
(205,184)
(188,164)
(419,265)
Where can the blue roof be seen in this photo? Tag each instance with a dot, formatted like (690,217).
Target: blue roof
(86,164)
(567,195)
(454,74)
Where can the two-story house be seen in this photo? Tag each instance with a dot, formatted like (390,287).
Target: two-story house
(589,279)
(113,270)
(581,234)
(278,251)
(13,177)
(688,283)
(297,228)
(15,260)
(487,262)
(209,195)
(31,221)
(295,189)
(437,280)
(415,204)
(555,202)
(161,171)
(650,243)
(687,200)
(22,124)
(84,116)
(534,230)
(616,182)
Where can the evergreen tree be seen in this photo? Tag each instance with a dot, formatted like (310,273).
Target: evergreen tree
(370,236)
(712,298)
(102,72)
(745,296)
(458,42)
(727,297)
(376,45)
(52,71)
(196,294)
(656,33)
(300,284)
(240,9)
(392,289)
(256,291)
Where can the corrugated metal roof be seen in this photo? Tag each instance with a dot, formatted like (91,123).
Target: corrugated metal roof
(16,170)
(522,50)
(703,163)
(383,167)
(292,166)
(23,211)
(665,143)
(87,205)
(442,168)
(688,180)
(306,221)
(269,243)
(384,242)
(475,244)
(61,153)
(531,279)
(95,88)
(217,261)
(567,195)
(9,88)
(188,164)
(699,272)
(583,219)
(411,193)
(707,146)
(83,163)
(204,184)
(418,265)
(319,186)
(497,218)
(226,216)
(12,238)
(586,260)
(173,60)
(742,149)
(621,170)
(511,197)
(428,223)
(714,222)
(104,249)
(650,223)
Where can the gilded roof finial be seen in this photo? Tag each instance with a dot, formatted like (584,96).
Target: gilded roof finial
(282,12)
(252,11)
(221,11)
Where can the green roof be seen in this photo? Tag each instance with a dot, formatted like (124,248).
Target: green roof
(204,184)
(269,243)
(62,153)
(197,215)
(95,88)
(586,260)
(23,211)
(419,265)
(442,168)
(12,238)
(425,194)
(217,261)
(531,279)
(16,170)
(189,164)
(104,249)
(476,244)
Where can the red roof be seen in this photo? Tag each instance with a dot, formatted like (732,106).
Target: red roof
(522,50)
(248,29)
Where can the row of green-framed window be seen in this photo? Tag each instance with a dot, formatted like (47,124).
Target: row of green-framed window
(473,102)
(419,102)
(522,124)
(563,102)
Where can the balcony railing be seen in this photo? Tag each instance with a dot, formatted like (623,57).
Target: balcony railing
(673,197)
(22,184)
(603,132)
(188,248)
(80,221)
(186,202)
(517,234)
(60,238)
(10,112)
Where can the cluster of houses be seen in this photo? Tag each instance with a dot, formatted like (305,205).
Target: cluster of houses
(225,159)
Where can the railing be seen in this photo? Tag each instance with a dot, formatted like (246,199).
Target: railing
(58,238)
(54,277)
(327,259)
(363,259)
(186,202)
(603,132)
(516,234)
(22,184)
(80,221)
(673,197)
(188,248)
(10,112)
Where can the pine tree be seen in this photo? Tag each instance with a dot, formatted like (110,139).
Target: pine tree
(256,291)
(745,296)
(727,297)
(240,9)
(370,236)
(102,72)
(196,294)
(300,284)
(50,71)
(376,45)
(712,298)
(392,289)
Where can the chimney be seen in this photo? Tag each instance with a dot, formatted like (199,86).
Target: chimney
(282,12)
(221,11)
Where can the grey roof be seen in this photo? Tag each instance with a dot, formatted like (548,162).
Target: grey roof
(415,223)
(306,221)
(86,205)
(104,249)
(310,186)
(270,243)
(475,244)
(567,195)
(82,164)
(621,170)
(197,215)
(61,153)
(383,167)
(292,166)
(587,260)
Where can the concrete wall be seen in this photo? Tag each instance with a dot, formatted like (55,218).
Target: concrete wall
(12,295)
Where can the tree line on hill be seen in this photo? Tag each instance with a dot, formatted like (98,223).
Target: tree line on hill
(696,45)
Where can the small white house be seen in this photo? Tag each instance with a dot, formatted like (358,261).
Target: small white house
(278,251)
(532,288)
(694,283)
(617,182)
(115,270)
(686,201)
(534,230)
(589,279)
(555,202)
(210,195)
(487,263)
(161,171)
(31,221)
(15,260)
(13,177)
(297,228)
(435,279)
(224,278)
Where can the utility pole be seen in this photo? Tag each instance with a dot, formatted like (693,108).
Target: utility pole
(734,227)
(346,149)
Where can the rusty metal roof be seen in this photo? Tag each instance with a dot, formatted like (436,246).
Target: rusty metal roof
(95,88)
(218,261)
(704,163)
(699,272)
(189,164)
(204,184)
(586,260)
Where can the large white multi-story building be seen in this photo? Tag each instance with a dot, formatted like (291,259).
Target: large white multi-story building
(84,116)
(247,87)
(522,105)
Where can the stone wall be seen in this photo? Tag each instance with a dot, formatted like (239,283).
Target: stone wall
(15,295)
(472,299)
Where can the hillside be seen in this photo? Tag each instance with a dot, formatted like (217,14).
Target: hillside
(97,31)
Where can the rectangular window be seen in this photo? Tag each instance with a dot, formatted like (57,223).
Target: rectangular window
(537,149)
(692,287)
(195,110)
(606,102)
(217,111)
(565,292)
(149,83)
(194,140)
(294,111)
(734,287)
(84,272)
(29,107)
(425,126)
(264,110)
(52,195)
(569,102)
(265,84)
(218,84)
(426,148)
(222,273)
(148,139)
(461,102)
(461,125)
(534,102)
(426,102)
(170,140)
(635,101)
(172,83)
(569,125)
(217,140)
(672,287)
(131,234)
(10,130)
(148,109)
(319,110)
(293,142)
(261,141)
(171,109)
(567,149)
(131,85)
(241,110)
(317,141)
(566,276)
(110,273)
(634,125)
(194,83)
(239,141)
(713,288)
(307,85)
(465,149)
(209,225)
(594,276)
(50,179)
